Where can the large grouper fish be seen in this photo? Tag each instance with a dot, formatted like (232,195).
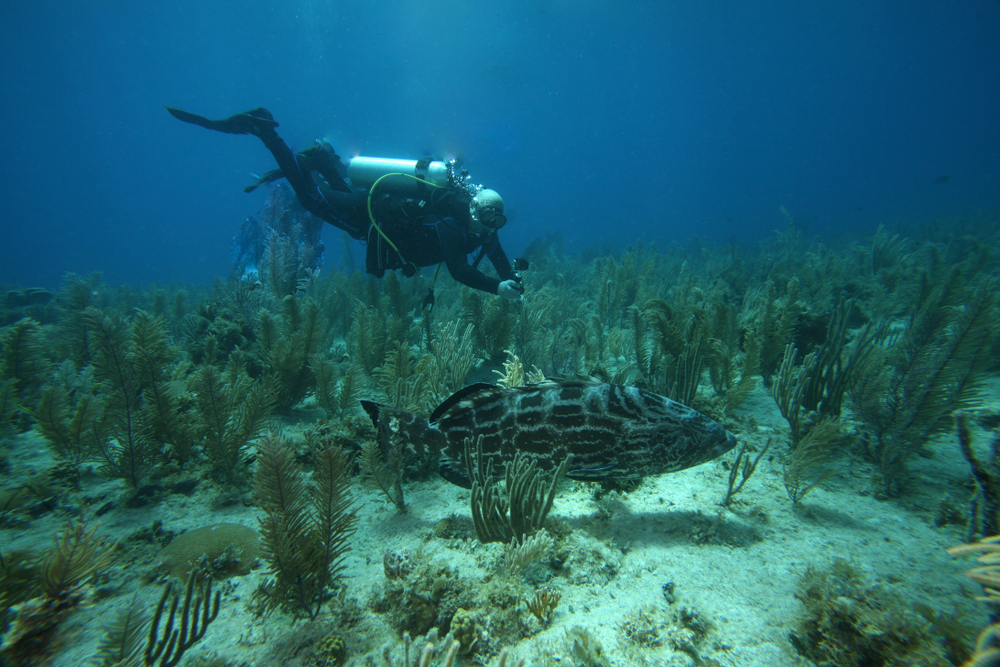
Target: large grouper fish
(613,433)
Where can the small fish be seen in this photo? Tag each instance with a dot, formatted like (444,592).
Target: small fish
(612,432)
(942,179)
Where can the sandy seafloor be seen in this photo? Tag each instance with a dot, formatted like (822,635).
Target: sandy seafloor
(670,529)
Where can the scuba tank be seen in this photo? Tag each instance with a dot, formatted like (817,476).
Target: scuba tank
(403,176)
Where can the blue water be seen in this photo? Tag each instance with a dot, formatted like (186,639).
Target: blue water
(605,121)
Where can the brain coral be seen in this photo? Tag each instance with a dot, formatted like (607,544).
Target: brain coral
(229,548)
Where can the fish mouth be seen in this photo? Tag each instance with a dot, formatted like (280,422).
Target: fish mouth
(728,443)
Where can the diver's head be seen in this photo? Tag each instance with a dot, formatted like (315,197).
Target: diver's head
(487,209)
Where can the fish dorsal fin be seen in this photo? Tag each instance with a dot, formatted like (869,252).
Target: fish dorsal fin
(459,395)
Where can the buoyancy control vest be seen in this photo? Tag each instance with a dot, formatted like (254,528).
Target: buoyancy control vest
(409,186)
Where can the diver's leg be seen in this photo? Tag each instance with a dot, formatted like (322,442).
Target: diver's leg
(345,210)
(324,159)
(260,123)
(349,210)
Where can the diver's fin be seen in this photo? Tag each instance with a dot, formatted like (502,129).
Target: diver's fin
(248,122)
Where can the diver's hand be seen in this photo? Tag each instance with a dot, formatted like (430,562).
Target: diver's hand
(510,289)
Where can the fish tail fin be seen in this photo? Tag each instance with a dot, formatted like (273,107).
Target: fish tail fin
(372,410)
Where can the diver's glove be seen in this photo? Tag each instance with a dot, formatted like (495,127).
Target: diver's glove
(510,289)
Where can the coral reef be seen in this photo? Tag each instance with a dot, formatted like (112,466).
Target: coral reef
(849,623)
(280,245)
(834,362)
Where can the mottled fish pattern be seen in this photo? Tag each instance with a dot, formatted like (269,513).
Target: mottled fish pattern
(612,432)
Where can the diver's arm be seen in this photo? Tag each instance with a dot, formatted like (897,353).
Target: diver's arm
(457,261)
(510,286)
(499,260)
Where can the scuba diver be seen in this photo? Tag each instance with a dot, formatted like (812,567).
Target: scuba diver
(410,213)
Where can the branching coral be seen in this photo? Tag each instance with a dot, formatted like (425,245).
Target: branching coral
(306,527)
(386,471)
(519,554)
(23,358)
(985,515)
(78,556)
(151,356)
(123,646)
(526,497)
(453,359)
(513,374)
(493,322)
(770,321)
(543,604)
(810,463)
(8,404)
(744,467)
(73,431)
(336,397)
(937,368)
(369,337)
(836,364)
(287,346)
(404,380)
(232,410)
(789,389)
(127,448)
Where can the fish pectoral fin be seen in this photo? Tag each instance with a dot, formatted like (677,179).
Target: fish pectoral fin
(593,473)
(453,471)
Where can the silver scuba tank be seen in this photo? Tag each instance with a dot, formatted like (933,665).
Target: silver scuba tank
(364,171)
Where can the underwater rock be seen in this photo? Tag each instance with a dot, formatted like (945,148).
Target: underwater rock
(105,508)
(185,487)
(396,565)
(668,592)
(226,548)
(143,496)
(465,628)
(31,296)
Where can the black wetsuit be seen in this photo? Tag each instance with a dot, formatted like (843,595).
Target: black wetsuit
(426,230)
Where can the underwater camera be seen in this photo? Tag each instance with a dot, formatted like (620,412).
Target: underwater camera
(520,266)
